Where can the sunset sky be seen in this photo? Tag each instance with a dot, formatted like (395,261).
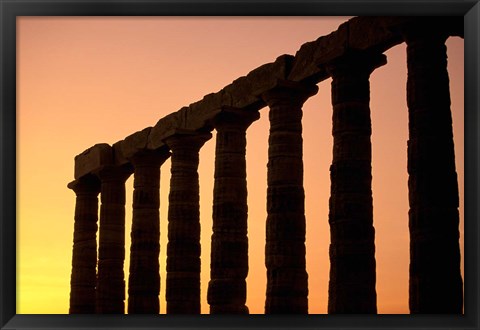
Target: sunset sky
(88,80)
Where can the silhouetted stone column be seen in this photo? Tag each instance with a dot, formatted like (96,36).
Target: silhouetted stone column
(84,258)
(183,249)
(435,278)
(110,294)
(144,279)
(287,278)
(352,248)
(227,290)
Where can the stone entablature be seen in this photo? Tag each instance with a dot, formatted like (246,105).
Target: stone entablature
(309,64)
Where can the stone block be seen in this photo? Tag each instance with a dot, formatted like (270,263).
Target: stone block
(266,77)
(310,58)
(199,114)
(134,143)
(373,33)
(118,156)
(245,91)
(239,93)
(165,126)
(93,159)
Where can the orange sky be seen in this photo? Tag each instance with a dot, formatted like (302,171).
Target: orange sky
(85,80)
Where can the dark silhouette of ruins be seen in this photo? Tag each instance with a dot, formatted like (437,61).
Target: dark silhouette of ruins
(348,55)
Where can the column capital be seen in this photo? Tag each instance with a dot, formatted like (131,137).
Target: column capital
(235,118)
(114,172)
(291,91)
(186,139)
(88,184)
(151,157)
(424,28)
(356,62)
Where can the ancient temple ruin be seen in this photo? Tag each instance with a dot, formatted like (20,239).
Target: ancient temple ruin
(348,55)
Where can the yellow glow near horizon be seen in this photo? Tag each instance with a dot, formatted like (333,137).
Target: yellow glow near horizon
(88,80)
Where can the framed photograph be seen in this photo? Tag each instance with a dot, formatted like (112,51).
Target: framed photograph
(275,163)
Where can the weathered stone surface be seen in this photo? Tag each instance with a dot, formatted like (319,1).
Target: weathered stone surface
(239,92)
(308,61)
(286,273)
(376,34)
(119,159)
(110,291)
(84,258)
(435,278)
(93,159)
(200,113)
(134,143)
(265,77)
(144,279)
(229,253)
(183,249)
(165,126)
(245,92)
(373,34)
(352,248)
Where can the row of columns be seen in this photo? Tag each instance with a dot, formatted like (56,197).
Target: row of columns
(435,280)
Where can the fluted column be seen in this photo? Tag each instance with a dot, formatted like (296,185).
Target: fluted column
(183,249)
(227,290)
(352,246)
(110,295)
(144,278)
(287,279)
(435,278)
(84,258)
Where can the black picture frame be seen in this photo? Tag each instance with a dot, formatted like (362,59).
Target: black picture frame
(10,9)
